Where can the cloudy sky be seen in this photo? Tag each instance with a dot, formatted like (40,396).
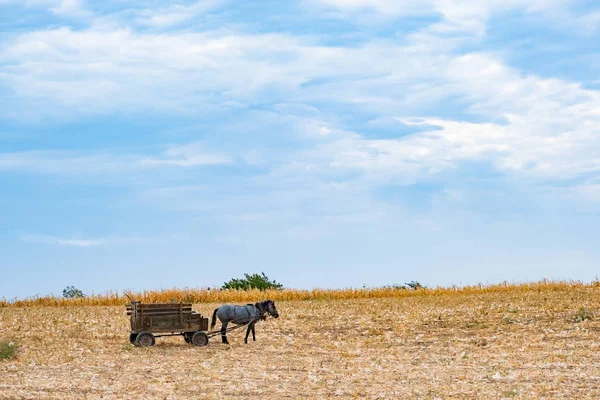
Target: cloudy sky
(329,143)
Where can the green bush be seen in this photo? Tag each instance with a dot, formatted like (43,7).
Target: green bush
(582,314)
(71,292)
(254,281)
(8,350)
(412,285)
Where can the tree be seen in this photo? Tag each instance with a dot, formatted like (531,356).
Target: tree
(71,292)
(254,281)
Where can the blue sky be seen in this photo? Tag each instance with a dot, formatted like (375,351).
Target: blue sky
(329,143)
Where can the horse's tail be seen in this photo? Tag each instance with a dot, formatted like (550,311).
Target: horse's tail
(214,319)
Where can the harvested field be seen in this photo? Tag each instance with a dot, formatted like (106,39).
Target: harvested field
(541,343)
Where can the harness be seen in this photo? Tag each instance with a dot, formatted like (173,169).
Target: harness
(252,316)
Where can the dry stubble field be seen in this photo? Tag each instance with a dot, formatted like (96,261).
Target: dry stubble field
(521,344)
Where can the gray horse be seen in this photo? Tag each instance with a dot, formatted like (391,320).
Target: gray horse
(241,315)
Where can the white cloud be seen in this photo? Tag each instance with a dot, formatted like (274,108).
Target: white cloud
(71,8)
(510,148)
(97,72)
(457,15)
(61,8)
(549,130)
(386,7)
(589,192)
(65,163)
(87,163)
(176,13)
(463,17)
(190,155)
(47,239)
(538,128)
(78,241)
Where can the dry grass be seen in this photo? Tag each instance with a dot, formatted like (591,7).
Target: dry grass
(521,343)
(239,296)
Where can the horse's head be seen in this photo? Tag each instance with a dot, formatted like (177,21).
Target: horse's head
(271,309)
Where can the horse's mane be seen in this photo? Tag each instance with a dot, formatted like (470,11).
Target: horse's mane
(260,305)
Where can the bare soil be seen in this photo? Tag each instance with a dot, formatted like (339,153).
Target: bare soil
(509,345)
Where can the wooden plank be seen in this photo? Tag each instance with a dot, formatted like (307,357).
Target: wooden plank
(162,311)
(181,315)
(199,321)
(191,327)
(173,310)
(170,324)
(180,330)
(165,312)
(159,308)
(158,305)
(161,305)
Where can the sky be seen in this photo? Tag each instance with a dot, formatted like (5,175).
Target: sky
(328,143)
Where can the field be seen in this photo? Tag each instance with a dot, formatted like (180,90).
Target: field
(531,341)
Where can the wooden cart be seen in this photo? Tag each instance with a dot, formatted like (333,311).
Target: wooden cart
(149,321)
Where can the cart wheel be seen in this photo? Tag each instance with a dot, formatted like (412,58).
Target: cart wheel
(132,337)
(200,338)
(188,337)
(144,339)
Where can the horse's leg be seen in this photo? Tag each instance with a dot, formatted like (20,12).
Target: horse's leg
(253,333)
(247,333)
(224,332)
